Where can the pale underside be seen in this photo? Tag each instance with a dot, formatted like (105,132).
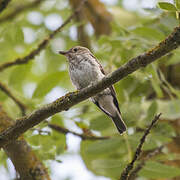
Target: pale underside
(87,72)
(84,72)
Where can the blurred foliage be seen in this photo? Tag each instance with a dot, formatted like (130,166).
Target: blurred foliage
(141,95)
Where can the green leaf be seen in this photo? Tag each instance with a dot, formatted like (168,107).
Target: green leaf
(100,123)
(152,110)
(177,4)
(3,96)
(149,33)
(49,82)
(131,112)
(155,80)
(3,157)
(165,129)
(174,59)
(167,6)
(108,167)
(48,146)
(105,157)
(18,75)
(157,170)
(57,119)
(13,34)
(170,109)
(106,163)
(104,147)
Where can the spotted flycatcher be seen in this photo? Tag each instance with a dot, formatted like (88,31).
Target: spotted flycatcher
(84,70)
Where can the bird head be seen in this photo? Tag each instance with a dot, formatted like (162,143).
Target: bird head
(75,52)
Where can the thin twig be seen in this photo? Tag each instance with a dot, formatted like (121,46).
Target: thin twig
(42,44)
(135,171)
(20,9)
(7,91)
(166,87)
(82,136)
(70,99)
(129,167)
(4,4)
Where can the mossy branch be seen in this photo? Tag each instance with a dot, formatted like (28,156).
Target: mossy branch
(70,99)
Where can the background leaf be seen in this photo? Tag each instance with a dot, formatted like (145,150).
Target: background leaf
(167,6)
(157,170)
(49,82)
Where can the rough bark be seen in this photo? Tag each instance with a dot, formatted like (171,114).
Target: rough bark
(28,166)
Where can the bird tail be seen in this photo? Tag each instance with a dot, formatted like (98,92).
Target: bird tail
(119,123)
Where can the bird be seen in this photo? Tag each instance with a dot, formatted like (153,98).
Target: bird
(84,70)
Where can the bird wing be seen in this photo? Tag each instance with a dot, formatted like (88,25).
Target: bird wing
(97,104)
(113,92)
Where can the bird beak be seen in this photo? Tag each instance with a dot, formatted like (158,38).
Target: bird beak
(63,52)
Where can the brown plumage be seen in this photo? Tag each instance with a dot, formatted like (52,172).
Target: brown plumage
(85,69)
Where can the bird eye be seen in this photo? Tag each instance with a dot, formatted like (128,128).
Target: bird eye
(75,49)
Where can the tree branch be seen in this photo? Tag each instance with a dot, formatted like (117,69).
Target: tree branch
(7,91)
(4,4)
(135,171)
(28,166)
(129,167)
(19,9)
(70,99)
(42,44)
(82,136)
